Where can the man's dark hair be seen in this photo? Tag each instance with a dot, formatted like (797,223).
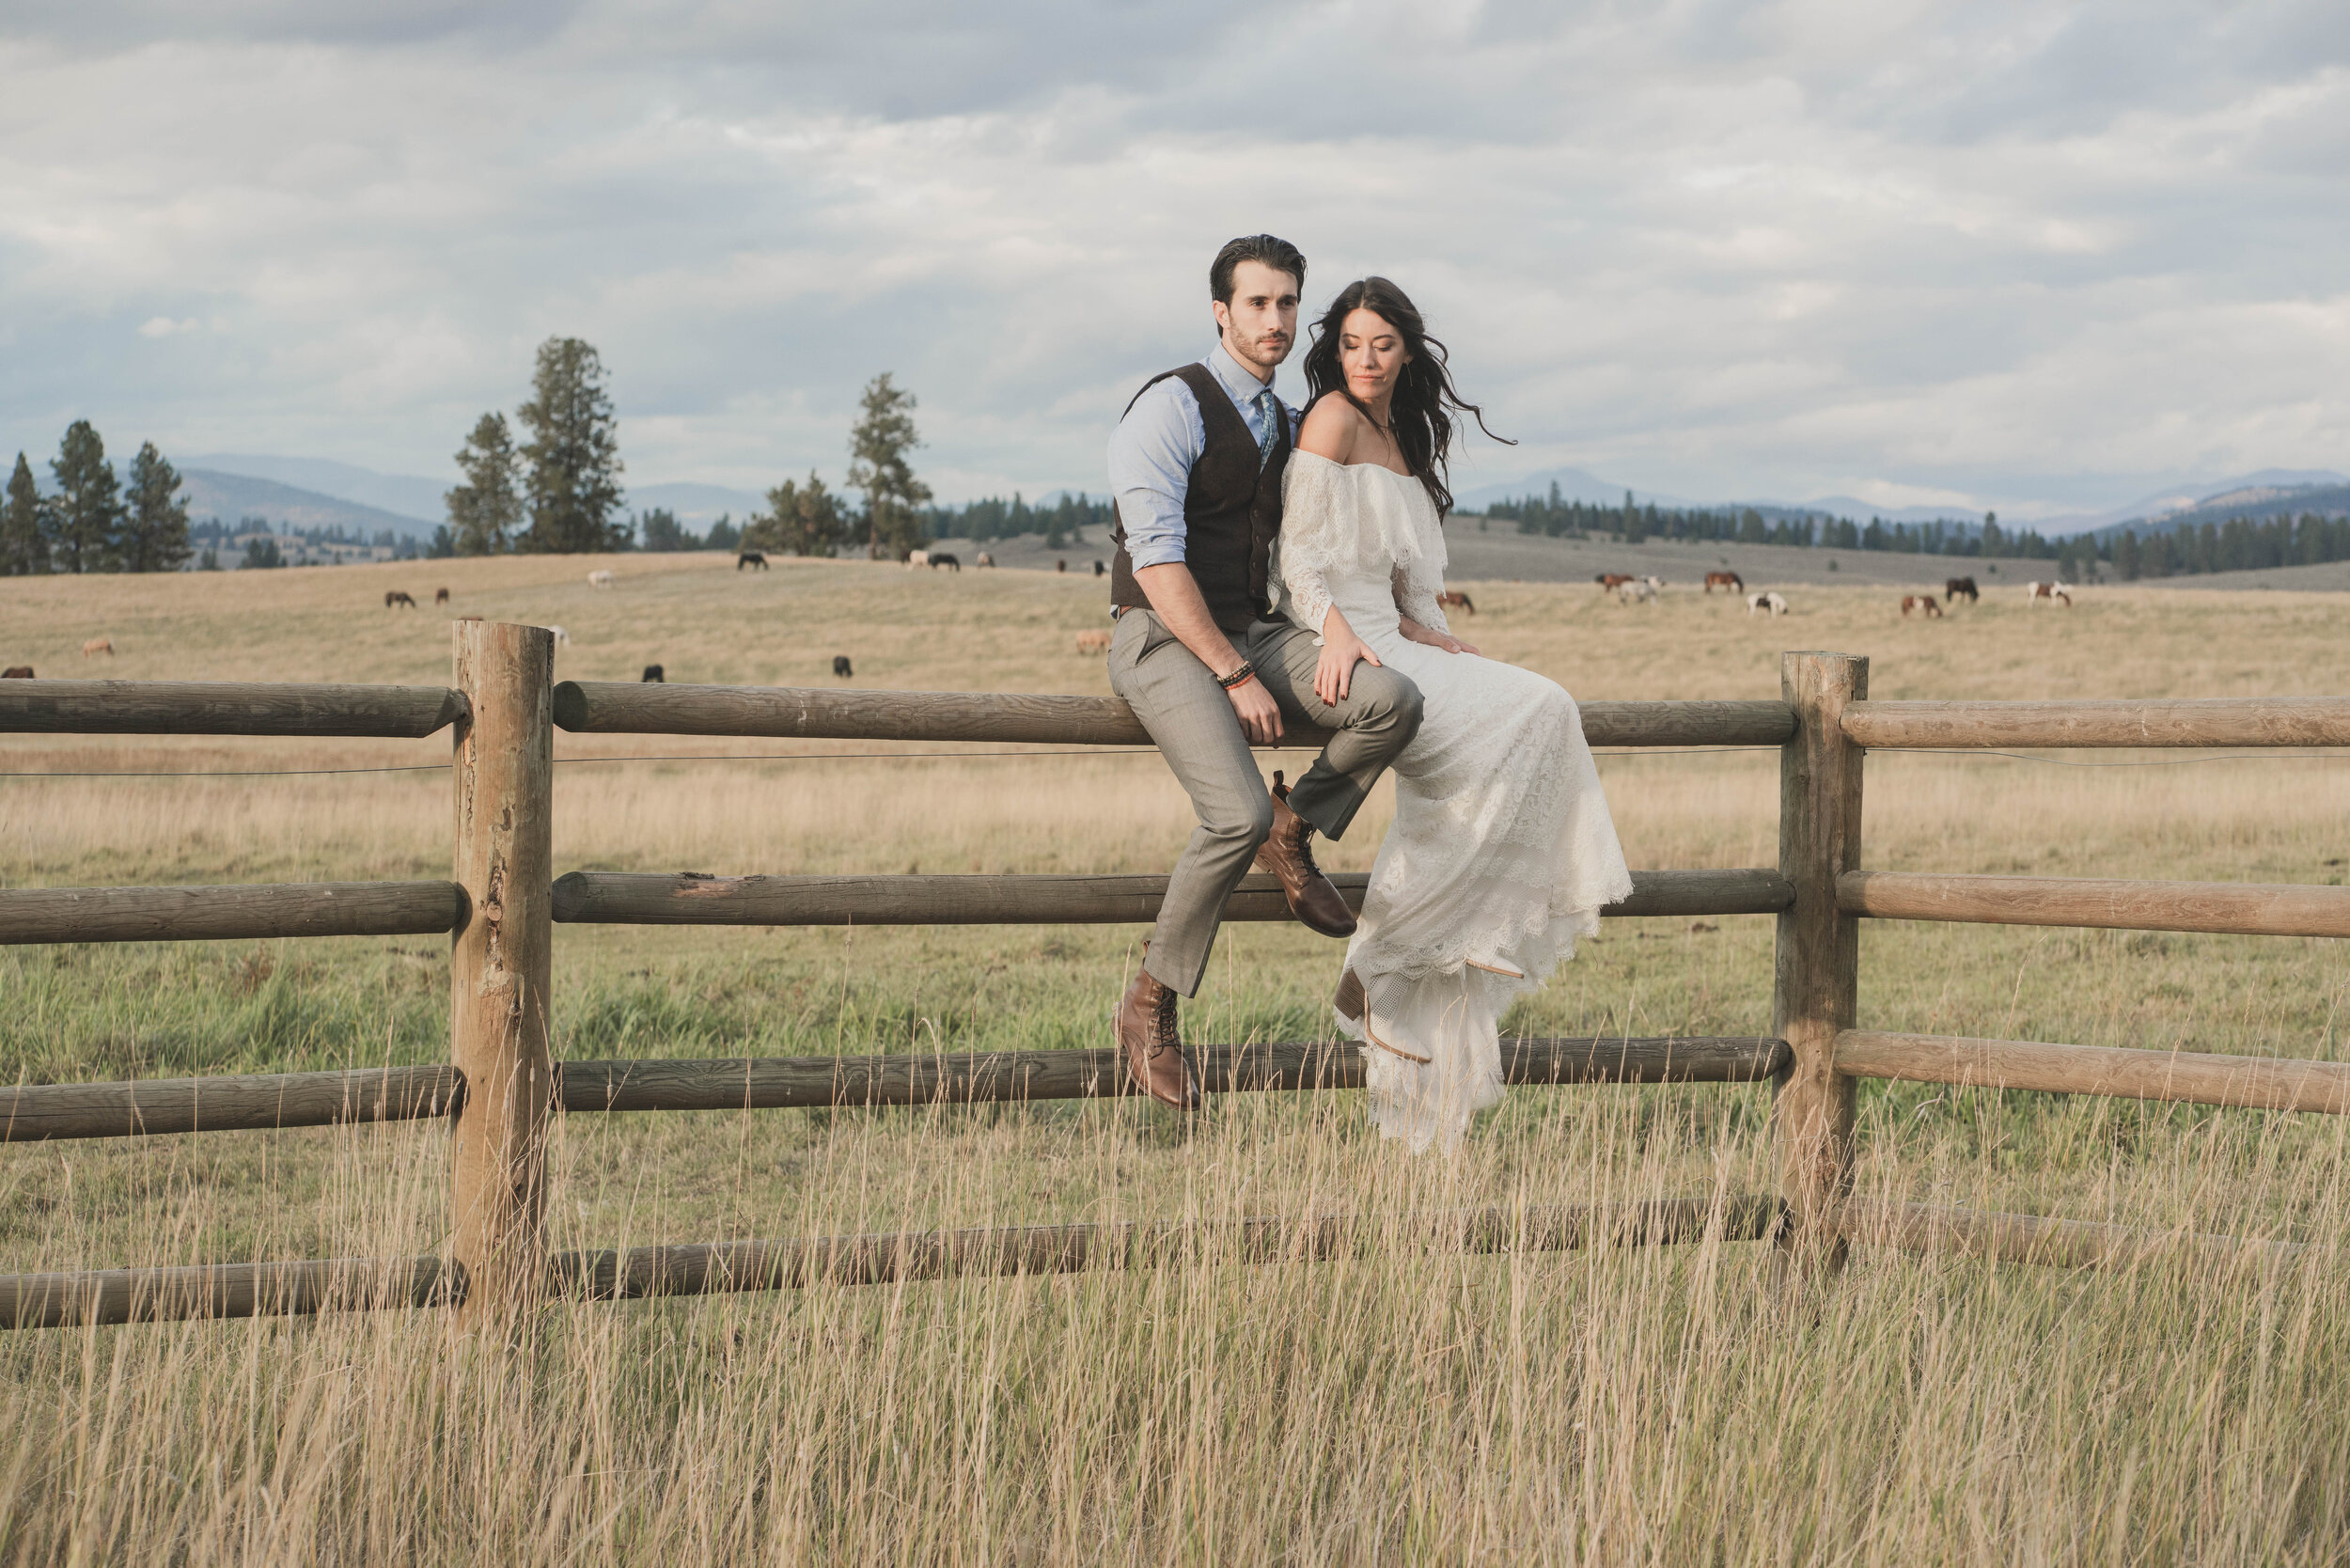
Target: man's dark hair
(1277,254)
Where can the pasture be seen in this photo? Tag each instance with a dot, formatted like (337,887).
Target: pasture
(1610,1405)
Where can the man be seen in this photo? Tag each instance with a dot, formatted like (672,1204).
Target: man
(1206,662)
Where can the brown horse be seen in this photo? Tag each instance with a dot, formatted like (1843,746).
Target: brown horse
(1920,601)
(1730,580)
(396,596)
(1453,598)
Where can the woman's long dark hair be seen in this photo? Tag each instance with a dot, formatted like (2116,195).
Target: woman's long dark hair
(1420,417)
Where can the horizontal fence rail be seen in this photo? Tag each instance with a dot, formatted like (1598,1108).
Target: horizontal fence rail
(2011,1238)
(36,1113)
(226,1291)
(789,712)
(2261,1083)
(2242,908)
(248,1102)
(229,911)
(893,1259)
(695,898)
(225,708)
(2222,721)
(979,1077)
(252,1290)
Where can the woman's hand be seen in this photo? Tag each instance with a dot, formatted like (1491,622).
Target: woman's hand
(1434,638)
(1335,671)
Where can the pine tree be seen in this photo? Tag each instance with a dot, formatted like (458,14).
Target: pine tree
(24,525)
(800,520)
(573,452)
(87,507)
(877,451)
(154,533)
(486,510)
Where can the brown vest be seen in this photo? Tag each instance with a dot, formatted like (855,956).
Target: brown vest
(1231,510)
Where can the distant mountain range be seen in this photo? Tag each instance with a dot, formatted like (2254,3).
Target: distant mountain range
(314,493)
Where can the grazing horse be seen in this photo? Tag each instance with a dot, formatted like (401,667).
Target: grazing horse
(1960,587)
(985,560)
(750,557)
(17,672)
(396,596)
(440,597)
(917,557)
(840,667)
(1610,581)
(1921,602)
(97,646)
(1060,566)
(1730,580)
(601,578)
(1100,570)
(1093,642)
(2051,591)
(562,639)
(1766,604)
(652,673)
(1453,598)
(940,557)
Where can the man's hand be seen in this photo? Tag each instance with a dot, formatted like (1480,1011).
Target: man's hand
(1174,597)
(1259,715)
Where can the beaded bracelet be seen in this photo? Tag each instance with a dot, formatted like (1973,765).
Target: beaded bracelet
(1238,676)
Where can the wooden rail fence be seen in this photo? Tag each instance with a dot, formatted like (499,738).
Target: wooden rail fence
(502,1084)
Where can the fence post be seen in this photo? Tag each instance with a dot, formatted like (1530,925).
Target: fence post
(500,960)
(1817,974)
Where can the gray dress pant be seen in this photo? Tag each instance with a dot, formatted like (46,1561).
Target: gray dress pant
(1192,720)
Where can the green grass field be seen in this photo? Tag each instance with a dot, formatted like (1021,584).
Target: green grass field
(1396,1404)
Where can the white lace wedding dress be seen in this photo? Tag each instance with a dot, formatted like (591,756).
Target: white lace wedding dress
(1502,850)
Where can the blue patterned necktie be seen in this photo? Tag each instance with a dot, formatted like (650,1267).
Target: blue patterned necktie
(1271,411)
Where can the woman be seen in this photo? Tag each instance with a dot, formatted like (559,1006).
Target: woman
(1501,852)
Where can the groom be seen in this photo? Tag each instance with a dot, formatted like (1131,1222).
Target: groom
(1206,662)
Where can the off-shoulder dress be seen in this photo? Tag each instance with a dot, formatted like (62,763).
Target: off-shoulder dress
(1502,850)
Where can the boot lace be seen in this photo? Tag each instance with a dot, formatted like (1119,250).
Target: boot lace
(1163,1022)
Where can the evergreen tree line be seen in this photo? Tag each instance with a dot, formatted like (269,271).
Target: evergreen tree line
(91,521)
(997,518)
(2238,544)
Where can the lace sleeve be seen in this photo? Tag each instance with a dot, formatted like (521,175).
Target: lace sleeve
(1417,599)
(1419,571)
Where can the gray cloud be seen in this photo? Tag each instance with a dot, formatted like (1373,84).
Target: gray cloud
(2005,253)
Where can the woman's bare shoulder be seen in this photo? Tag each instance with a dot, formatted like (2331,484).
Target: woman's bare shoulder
(1331,428)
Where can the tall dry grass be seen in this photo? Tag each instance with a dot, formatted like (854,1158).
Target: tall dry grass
(1616,1404)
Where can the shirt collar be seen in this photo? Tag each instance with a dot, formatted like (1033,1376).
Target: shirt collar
(1238,383)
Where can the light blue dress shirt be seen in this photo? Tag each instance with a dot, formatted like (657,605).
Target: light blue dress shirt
(1152,450)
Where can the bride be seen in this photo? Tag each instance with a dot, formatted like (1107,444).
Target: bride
(1501,852)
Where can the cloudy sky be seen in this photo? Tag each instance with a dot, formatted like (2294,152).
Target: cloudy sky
(2033,256)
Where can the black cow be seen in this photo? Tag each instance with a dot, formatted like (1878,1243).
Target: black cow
(652,673)
(840,667)
(750,557)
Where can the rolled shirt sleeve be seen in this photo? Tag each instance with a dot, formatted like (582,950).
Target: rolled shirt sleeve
(1152,454)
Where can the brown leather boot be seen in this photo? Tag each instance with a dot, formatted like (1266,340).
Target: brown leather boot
(1153,1045)
(1289,855)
